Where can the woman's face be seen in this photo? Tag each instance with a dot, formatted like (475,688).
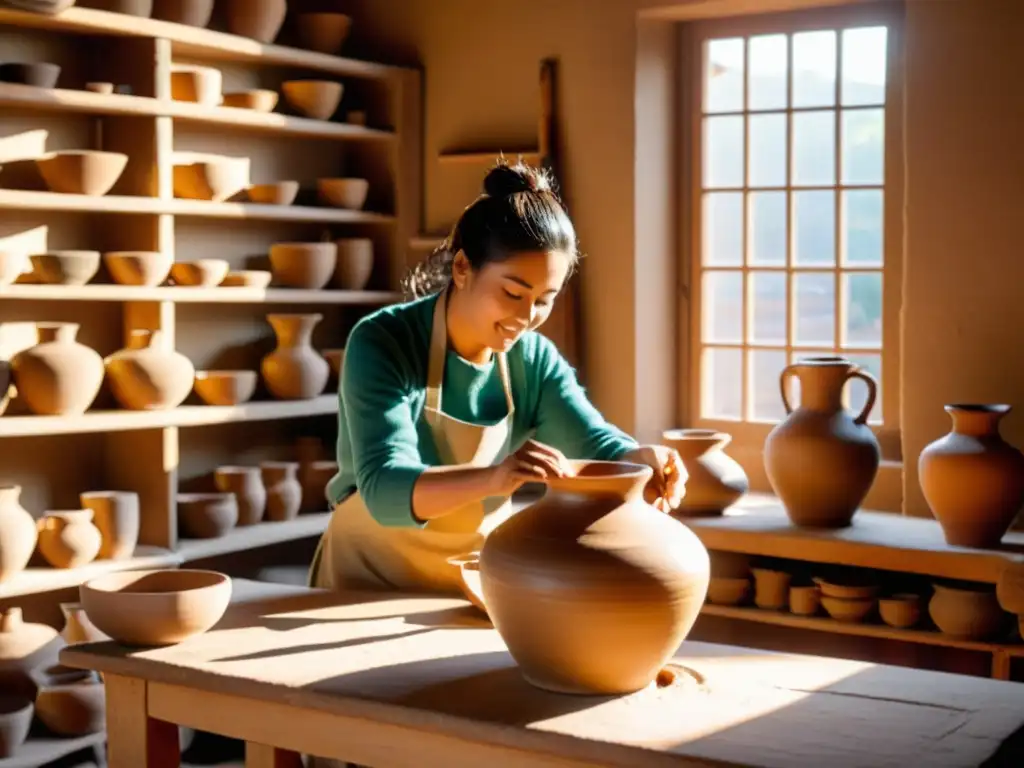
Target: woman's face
(503,299)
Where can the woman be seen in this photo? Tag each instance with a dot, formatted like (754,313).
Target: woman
(450,402)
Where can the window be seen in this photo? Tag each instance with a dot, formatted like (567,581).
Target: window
(795,191)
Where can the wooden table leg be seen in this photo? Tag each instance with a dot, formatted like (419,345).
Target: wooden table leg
(262,756)
(134,739)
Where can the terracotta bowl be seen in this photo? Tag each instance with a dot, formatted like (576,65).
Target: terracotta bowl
(38,74)
(278,193)
(901,611)
(214,179)
(100,87)
(202,273)
(247,278)
(15,720)
(355,263)
(335,358)
(13,264)
(82,171)
(256,99)
(728,591)
(65,267)
(192,13)
(161,607)
(303,265)
(207,515)
(804,600)
(200,85)
(225,387)
(849,610)
(469,578)
(850,588)
(145,268)
(343,193)
(72,709)
(316,99)
(323,32)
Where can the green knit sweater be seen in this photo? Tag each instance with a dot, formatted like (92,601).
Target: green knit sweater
(384,444)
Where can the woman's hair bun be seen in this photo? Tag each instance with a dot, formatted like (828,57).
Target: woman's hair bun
(504,179)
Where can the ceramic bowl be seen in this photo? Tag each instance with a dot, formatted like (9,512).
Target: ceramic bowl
(724,590)
(39,74)
(225,387)
(900,611)
(82,172)
(804,600)
(144,268)
(159,607)
(202,273)
(303,265)
(65,267)
(207,515)
(851,610)
(315,99)
(278,193)
(349,194)
(851,588)
(257,99)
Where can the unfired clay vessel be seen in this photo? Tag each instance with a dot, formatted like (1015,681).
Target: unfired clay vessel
(58,376)
(716,481)
(68,538)
(148,375)
(15,720)
(967,611)
(25,647)
(207,515)
(72,709)
(295,371)
(17,532)
(303,265)
(972,479)
(355,263)
(246,484)
(821,460)
(259,20)
(591,588)
(116,515)
(315,99)
(284,492)
(144,268)
(82,172)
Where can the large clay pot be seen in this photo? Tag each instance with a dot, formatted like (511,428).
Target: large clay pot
(24,648)
(715,481)
(591,588)
(821,460)
(284,491)
(116,515)
(260,20)
(58,376)
(148,375)
(972,479)
(17,532)
(295,371)
(68,538)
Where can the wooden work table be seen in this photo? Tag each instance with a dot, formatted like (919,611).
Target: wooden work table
(395,680)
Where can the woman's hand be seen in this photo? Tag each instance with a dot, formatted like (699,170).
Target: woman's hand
(669,482)
(533,463)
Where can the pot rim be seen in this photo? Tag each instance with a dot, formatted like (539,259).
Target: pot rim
(997,408)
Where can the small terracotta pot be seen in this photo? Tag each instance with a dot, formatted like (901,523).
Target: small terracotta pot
(214,180)
(68,538)
(225,388)
(901,611)
(278,193)
(284,492)
(203,273)
(850,610)
(804,600)
(716,481)
(65,267)
(82,172)
(116,515)
(260,21)
(349,194)
(247,278)
(728,591)
(323,32)
(207,515)
(246,485)
(256,99)
(38,74)
(141,268)
(200,85)
(771,589)
(315,99)
(355,263)
(303,265)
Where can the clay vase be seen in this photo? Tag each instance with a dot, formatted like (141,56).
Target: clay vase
(821,460)
(591,588)
(284,491)
(966,611)
(257,20)
(58,376)
(24,648)
(68,538)
(17,533)
(716,481)
(246,483)
(972,479)
(148,375)
(294,370)
(116,515)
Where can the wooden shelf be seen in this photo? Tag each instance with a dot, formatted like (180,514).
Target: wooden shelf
(62,100)
(36,580)
(196,42)
(39,751)
(530,157)
(253,536)
(186,295)
(182,416)
(758,525)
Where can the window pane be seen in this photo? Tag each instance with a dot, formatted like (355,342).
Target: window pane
(768,223)
(768,315)
(722,229)
(722,383)
(863,227)
(767,151)
(768,74)
(814,69)
(723,80)
(765,366)
(814,149)
(864,146)
(723,152)
(864,58)
(814,228)
(862,309)
(722,307)
(814,313)
(855,392)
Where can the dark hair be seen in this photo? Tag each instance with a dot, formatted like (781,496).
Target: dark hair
(518,211)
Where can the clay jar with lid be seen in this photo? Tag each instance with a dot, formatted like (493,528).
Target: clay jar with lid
(972,479)
(58,376)
(294,370)
(148,375)
(591,588)
(68,538)
(17,532)
(24,648)
(822,460)
(716,481)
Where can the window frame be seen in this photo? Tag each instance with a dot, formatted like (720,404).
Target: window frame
(748,437)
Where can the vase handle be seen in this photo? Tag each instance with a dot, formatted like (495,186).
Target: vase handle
(872,384)
(784,377)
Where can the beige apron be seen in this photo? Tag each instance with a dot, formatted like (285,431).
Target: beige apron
(358,552)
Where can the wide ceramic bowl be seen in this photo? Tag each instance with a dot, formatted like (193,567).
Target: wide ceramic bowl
(159,607)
